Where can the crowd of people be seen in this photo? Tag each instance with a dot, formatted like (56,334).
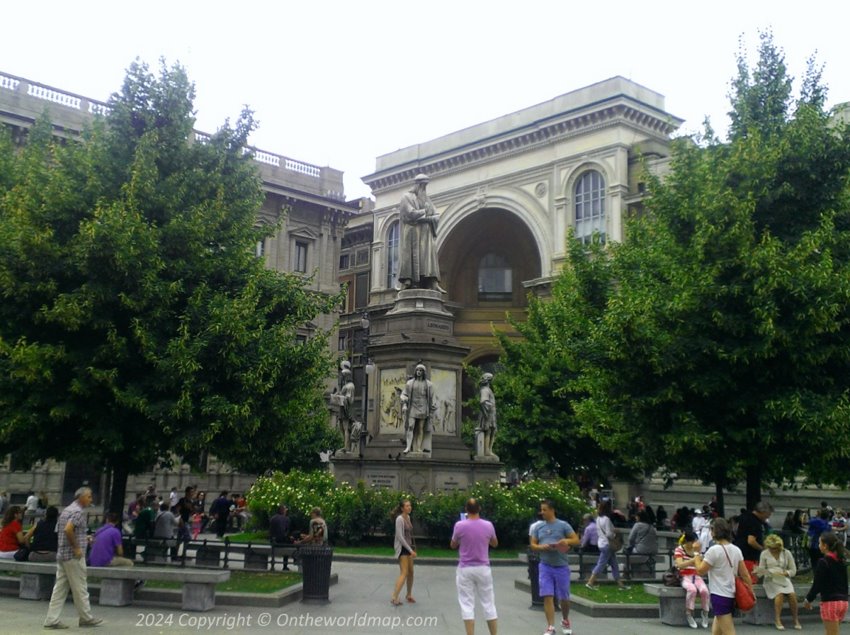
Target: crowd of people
(710,547)
(745,546)
(151,515)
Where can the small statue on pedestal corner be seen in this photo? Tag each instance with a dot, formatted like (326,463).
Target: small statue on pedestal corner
(485,433)
(344,399)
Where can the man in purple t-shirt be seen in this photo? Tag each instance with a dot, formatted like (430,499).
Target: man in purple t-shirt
(474,536)
(107,549)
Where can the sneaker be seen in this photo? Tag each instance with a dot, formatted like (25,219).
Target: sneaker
(625,587)
(592,587)
(691,621)
(95,621)
(705,619)
(57,626)
(566,629)
(549,631)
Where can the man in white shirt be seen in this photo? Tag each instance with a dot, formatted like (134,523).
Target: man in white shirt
(32,503)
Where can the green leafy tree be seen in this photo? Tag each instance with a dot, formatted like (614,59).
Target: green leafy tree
(723,349)
(537,387)
(135,321)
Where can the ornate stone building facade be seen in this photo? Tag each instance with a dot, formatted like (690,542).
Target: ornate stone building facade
(508,190)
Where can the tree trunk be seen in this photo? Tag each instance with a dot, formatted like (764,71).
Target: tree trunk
(119,487)
(719,487)
(753,485)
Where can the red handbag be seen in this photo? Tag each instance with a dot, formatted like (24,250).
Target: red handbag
(745,600)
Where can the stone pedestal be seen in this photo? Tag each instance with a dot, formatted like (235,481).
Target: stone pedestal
(198,596)
(116,592)
(415,475)
(36,586)
(418,328)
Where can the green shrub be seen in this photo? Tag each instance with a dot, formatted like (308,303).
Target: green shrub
(569,506)
(354,513)
(299,491)
(438,512)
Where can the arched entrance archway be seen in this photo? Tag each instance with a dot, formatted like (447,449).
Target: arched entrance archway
(489,246)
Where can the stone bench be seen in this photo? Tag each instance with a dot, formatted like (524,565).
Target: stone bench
(117,583)
(671,605)
(36,578)
(762,612)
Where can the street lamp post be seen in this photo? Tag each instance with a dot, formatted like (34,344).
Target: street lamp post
(368,369)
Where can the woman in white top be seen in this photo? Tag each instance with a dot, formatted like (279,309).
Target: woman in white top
(777,566)
(607,554)
(722,562)
(404,551)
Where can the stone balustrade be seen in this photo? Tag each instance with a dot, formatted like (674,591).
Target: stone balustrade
(90,107)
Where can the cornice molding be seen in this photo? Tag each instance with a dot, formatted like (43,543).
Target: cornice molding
(526,139)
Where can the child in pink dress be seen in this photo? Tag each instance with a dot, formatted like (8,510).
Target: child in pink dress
(683,556)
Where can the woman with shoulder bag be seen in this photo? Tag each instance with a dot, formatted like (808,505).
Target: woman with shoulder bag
(723,562)
(606,541)
(685,558)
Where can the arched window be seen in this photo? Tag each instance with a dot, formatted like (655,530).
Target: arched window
(590,205)
(495,278)
(392,255)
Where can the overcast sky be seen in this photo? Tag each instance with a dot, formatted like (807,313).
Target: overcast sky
(340,82)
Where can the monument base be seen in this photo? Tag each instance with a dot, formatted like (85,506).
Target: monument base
(414,473)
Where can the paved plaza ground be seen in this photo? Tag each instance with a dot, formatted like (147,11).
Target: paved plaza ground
(362,594)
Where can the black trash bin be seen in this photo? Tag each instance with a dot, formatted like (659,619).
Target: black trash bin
(534,578)
(316,573)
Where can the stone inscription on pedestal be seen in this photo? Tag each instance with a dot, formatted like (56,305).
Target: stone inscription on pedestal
(382,480)
(450,482)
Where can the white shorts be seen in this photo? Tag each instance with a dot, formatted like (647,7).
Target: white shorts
(475,582)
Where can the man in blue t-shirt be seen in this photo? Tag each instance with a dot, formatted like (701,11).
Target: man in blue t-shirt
(552,539)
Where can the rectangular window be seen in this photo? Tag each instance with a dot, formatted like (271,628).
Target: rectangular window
(363,257)
(300,256)
(361,290)
(342,343)
(344,261)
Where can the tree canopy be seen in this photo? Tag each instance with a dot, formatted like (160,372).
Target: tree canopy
(135,321)
(721,348)
(537,385)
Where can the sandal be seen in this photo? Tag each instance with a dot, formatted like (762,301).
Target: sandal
(410,600)
(395,602)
